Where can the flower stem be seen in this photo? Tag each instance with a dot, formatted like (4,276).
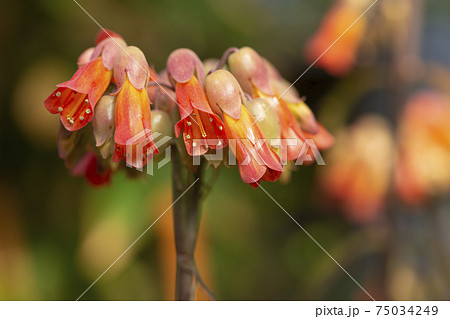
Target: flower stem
(186,217)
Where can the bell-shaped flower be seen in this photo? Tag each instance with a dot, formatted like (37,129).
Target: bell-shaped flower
(133,135)
(202,128)
(256,160)
(93,169)
(79,156)
(260,79)
(252,74)
(334,46)
(75,99)
(422,167)
(358,171)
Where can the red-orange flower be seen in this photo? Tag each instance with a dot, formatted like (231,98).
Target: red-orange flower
(256,160)
(358,170)
(133,135)
(202,128)
(75,99)
(341,57)
(252,74)
(422,168)
(91,168)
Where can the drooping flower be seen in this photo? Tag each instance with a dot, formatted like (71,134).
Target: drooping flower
(256,160)
(79,156)
(75,99)
(202,128)
(422,167)
(358,170)
(341,57)
(260,79)
(133,135)
(90,166)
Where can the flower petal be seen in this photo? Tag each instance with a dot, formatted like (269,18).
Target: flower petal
(249,69)
(106,34)
(132,65)
(92,79)
(224,91)
(182,65)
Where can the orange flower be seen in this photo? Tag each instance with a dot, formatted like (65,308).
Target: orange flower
(340,59)
(260,79)
(91,168)
(358,170)
(256,160)
(133,135)
(75,99)
(422,168)
(202,128)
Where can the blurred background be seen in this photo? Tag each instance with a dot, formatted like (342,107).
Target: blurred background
(380,206)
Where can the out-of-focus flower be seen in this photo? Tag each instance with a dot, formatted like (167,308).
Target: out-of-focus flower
(35,122)
(75,99)
(358,168)
(133,135)
(341,57)
(423,163)
(92,169)
(79,156)
(256,160)
(202,128)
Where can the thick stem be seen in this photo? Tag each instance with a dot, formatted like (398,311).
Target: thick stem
(186,217)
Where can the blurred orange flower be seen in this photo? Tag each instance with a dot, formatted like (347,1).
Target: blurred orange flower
(342,56)
(423,164)
(358,168)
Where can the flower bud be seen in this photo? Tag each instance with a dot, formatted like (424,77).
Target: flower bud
(162,127)
(106,34)
(85,57)
(266,117)
(223,91)
(104,119)
(249,69)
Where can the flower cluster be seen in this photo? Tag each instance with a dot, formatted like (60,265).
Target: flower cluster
(413,163)
(242,104)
